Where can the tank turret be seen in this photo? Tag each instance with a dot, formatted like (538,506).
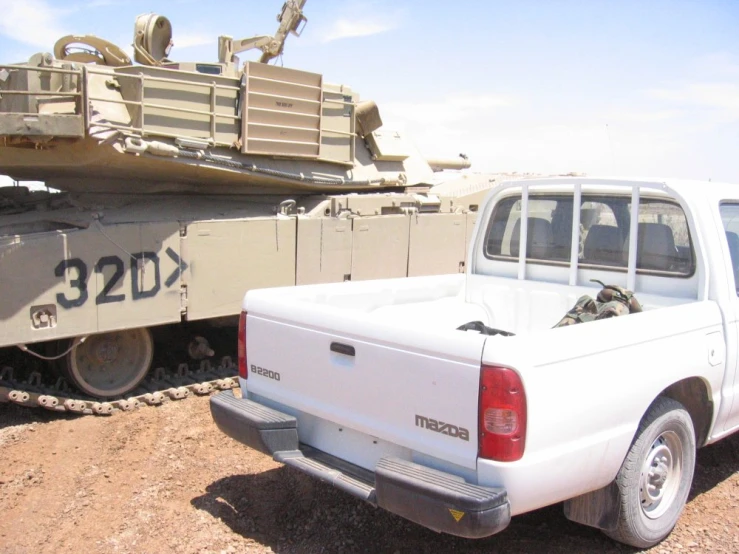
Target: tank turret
(213,128)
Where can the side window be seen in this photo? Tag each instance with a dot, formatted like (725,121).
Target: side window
(730,219)
(664,240)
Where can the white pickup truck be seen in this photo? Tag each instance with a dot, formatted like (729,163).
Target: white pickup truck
(370,386)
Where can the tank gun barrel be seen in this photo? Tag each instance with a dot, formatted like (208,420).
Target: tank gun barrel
(291,20)
(440,164)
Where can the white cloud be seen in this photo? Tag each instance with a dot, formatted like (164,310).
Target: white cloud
(185,39)
(642,116)
(715,64)
(501,144)
(32,22)
(531,148)
(499,133)
(676,131)
(101,3)
(453,109)
(721,97)
(345,28)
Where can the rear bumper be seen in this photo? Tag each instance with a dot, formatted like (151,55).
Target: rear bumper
(435,499)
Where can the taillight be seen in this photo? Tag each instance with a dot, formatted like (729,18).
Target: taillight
(241,346)
(502,408)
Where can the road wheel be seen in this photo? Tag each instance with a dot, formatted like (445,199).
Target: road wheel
(110,364)
(655,478)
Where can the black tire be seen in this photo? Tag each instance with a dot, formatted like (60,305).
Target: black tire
(655,478)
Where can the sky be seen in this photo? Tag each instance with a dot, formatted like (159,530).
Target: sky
(644,88)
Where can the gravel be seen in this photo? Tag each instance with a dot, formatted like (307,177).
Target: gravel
(166,480)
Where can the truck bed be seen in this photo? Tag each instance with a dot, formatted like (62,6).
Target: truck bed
(355,338)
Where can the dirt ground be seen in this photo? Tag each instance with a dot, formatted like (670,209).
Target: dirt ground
(165,480)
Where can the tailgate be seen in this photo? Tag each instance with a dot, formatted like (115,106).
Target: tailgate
(370,384)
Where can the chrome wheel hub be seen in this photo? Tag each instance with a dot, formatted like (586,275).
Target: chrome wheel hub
(661,475)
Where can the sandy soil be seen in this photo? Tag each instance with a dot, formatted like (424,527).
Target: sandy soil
(165,480)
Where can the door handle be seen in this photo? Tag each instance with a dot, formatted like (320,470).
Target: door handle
(345,349)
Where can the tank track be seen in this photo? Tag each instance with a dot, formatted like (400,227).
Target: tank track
(161,385)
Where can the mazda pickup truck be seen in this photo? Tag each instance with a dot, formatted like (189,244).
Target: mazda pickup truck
(371,387)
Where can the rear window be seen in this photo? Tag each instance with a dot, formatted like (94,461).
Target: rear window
(664,243)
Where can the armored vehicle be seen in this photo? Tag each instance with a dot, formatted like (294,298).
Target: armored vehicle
(182,185)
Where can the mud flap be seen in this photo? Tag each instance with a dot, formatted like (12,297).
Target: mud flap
(598,508)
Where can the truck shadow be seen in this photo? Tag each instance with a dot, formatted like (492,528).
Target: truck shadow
(289,512)
(714,464)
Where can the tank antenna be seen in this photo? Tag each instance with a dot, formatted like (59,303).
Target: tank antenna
(610,147)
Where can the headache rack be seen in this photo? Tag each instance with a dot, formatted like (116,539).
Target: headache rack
(575,185)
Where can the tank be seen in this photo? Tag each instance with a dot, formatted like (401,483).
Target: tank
(181,186)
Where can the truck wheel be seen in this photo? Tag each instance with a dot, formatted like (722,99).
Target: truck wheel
(655,478)
(110,364)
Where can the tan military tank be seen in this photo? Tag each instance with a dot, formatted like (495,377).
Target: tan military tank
(182,186)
